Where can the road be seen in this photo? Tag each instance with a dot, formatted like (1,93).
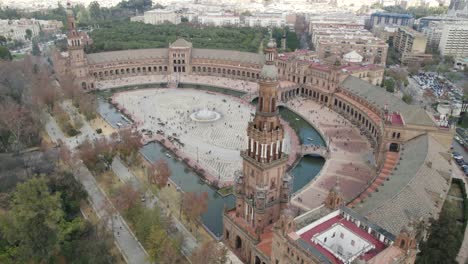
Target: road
(125,240)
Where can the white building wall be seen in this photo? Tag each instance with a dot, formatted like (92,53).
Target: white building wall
(157,17)
(454,40)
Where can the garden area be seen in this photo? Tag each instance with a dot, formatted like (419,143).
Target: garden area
(125,35)
(447,232)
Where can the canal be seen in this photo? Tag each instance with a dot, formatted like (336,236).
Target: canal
(304,171)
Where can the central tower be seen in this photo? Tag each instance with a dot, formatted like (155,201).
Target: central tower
(263,189)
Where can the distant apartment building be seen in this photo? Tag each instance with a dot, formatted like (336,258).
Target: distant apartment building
(433,33)
(424,22)
(266,20)
(158,16)
(454,40)
(386,32)
(411,46)
(16,29)
(320,24)
(378,19)
(50,26)
(457,5)
(219,19)
(335,42)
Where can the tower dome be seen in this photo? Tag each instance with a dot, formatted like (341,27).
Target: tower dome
(269,71)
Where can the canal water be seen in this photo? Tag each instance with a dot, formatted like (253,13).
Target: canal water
(305,170)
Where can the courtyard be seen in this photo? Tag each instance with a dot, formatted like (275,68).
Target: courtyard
(214,145)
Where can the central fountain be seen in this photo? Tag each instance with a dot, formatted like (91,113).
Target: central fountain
(205,115)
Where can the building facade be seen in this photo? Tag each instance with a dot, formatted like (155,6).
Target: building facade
(411,46)
(265,20)
(454,40)
(158,16)
(16,29)
(219,19)
(378,19)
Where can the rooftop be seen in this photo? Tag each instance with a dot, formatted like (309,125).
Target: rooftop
(340,240)
(379,97)
(140,54)
(416,188)
(392,14)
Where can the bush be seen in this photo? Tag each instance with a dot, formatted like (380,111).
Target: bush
(99,130)
(407,98)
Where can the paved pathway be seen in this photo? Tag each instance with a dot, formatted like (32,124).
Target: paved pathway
(125,240)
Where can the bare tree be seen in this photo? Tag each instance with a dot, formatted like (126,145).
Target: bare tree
(19,121)
(194,205)
(210,253)
(159,173)
(127,197)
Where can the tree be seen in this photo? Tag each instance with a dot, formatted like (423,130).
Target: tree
(449,60)
(64,153)
(407,98)
(130,142)
(159,173)
(3,40)
(18,121)
(28,35)
(389,85)
(5,54)
(127,197)
(34,222)
(35,48)
(94,11)
(43,92)
(210,253)
(158,244)
(445,238)
(87,105)
(194,205)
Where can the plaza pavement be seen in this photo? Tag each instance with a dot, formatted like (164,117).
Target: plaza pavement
(347,162)
(215,145)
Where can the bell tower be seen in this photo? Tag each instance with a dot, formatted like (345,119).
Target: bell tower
(76,55)
(263,189)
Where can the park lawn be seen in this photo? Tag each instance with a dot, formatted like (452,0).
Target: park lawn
(18,56)
(100,123)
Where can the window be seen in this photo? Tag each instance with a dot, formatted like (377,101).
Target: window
(353,243)
(333,235)
(341,235)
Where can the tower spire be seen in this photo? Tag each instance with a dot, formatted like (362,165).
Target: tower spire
(263,190)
